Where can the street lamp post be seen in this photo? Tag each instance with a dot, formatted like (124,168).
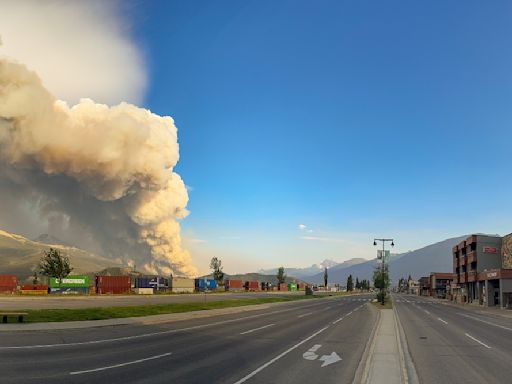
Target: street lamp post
(382,265)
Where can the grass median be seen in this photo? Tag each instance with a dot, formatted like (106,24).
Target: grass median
(52,315)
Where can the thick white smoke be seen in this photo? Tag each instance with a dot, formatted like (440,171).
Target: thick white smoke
(107,170)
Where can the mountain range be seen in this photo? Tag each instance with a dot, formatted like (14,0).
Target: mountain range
(432,258)
(301,273)
(20,256)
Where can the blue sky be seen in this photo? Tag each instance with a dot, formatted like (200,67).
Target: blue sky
(354,118)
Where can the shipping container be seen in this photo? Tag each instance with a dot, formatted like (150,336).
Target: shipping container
(233,285)
(34,291)
(143,291)
(292,287)
(36,287)
(143,282)
(283,287)
(301,286)
(113,284)
(252,286)
(69,291)
(159,283)
(7,290)
(8,281)
(72,281)
(182,285)
(202,284)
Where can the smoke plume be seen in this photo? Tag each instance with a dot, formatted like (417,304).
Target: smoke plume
(103,174)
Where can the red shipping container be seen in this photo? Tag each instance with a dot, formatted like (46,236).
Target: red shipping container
(252,286)
(113,284)
(8,281)
(7,289)
(32,287)
(301,286)
(234,284)
(283,287)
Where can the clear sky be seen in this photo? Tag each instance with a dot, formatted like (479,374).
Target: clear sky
(307,128)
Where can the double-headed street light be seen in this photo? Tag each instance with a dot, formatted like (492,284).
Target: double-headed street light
(382,267)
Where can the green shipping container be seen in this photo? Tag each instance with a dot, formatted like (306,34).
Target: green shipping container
(70,282)
(292,287)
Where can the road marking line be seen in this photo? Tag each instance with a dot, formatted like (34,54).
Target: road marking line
(441,320)
(305,314)
(485,321)
(256,329)
(120,365)
(259,369)
(478,341)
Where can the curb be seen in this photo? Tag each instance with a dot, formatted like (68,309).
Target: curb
(409,374)
(363,368)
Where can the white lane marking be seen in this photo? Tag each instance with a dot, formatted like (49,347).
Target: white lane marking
(441,320)
(304,315)
(485,321)
(256,329)
(348,314)
(427,312)
(170,331)
(120,365)
(259,369)
(478,341)
(325,309)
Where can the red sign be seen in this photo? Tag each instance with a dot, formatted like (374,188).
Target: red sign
(490,250)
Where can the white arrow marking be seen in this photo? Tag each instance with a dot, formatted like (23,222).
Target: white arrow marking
(310,353)
(330,359)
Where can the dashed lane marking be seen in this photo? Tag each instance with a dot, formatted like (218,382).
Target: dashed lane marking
(478,341)
(256,329)
(120,365)
(485,321)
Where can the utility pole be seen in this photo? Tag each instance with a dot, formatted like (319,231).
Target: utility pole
(382,265)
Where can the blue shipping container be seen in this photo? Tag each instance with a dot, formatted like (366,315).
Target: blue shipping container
(69,291)
(202,284)
(143,282)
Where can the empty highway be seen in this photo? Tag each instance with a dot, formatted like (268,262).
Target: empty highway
(455,344)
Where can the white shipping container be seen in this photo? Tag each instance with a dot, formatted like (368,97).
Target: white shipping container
(182,289)
(182,282)
(144,291)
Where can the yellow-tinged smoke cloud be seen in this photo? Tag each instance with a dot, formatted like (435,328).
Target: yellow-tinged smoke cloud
(109,170)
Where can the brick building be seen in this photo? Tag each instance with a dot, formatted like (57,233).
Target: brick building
(483,270)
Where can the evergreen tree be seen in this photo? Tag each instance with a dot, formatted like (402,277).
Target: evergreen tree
(350,284)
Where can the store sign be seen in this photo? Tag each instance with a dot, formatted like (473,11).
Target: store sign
(491,274)
(386,255)
(70,282)
(490,250)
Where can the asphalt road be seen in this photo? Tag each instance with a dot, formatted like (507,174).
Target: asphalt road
(311,341)
(454,344)
(96,301)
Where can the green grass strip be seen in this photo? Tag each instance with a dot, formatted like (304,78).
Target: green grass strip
(51,315)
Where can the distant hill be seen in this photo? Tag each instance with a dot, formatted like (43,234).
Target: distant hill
(49,239)
(303,273)
(432,258)
(20,256)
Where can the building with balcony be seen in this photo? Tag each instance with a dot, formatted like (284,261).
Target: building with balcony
(482,270)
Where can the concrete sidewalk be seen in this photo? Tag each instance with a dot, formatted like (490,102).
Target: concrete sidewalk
(385,364)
